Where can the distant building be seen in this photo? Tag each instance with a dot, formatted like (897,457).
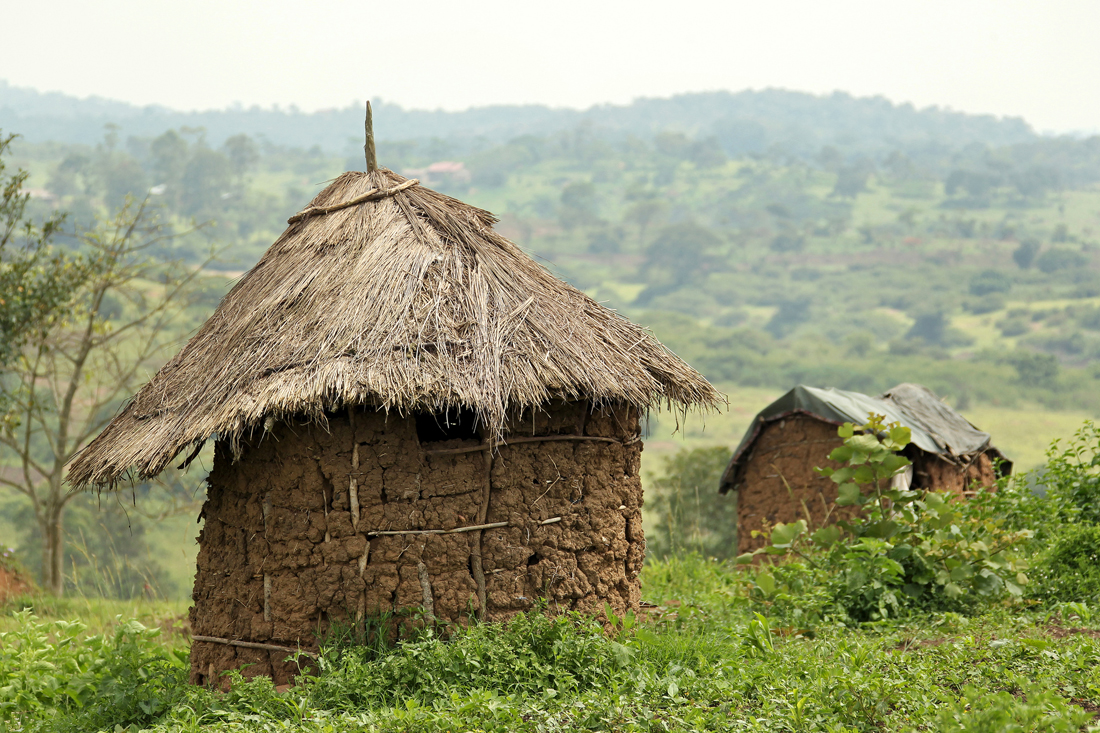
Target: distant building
(441,171)
(772,470)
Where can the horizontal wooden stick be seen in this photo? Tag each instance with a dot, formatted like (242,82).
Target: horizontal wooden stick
(491,525)
(372,195)
(253,645)
(514,441)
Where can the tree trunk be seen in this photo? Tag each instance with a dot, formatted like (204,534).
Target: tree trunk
(53,551)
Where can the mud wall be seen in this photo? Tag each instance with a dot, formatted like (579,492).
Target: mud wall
(784,455)
(934,473)
(315,523)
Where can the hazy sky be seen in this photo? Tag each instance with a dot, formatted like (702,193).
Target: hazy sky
(1038,59)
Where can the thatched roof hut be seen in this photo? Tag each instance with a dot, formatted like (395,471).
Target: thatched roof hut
(408,412)
(772,470)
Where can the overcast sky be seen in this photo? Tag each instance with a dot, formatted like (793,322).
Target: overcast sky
(1038,59)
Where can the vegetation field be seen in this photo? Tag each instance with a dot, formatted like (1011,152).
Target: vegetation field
(701,659)
(875,246)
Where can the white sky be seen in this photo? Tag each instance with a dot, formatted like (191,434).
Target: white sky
(1038,59)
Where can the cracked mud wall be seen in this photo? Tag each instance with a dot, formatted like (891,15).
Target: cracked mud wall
(785,454)
(287,543)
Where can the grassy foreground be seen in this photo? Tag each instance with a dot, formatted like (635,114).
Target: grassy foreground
(704,659)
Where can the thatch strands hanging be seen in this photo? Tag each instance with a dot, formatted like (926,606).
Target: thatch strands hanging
(406,301)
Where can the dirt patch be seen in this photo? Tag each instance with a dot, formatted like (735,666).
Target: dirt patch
(1061,632)
(13,584)
(291,541)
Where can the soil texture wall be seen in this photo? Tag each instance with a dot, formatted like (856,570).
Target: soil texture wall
(780,484)
(313,524)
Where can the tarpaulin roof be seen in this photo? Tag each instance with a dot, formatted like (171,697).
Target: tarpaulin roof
(935,427)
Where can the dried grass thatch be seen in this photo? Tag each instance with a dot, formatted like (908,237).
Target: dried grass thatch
(407,300)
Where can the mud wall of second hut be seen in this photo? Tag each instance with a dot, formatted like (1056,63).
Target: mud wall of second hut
(784,455)
(932,472)
(291,537)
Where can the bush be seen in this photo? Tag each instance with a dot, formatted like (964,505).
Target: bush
(1070,570)
(907,550)
(1072,475)
(53,679)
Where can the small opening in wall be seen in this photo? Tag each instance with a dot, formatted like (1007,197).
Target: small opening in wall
(460,424)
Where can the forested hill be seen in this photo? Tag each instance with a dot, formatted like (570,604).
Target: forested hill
(746,122)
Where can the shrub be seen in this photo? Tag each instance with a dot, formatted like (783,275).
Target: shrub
(1070,570)
(52,677)
(1072,475)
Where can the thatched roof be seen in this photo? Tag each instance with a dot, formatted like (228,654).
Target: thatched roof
(405,300)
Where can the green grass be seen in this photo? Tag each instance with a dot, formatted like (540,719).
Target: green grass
(100,615)
(702,661)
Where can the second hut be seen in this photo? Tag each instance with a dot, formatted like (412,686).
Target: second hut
(772,470)
(408,412)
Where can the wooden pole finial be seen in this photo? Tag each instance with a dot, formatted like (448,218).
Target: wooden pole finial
(368,147)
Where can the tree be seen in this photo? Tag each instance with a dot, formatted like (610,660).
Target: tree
(35,280)
(990,281)
(1035,369)
(578,205)
(243,155)
(205,182)
(930,326)
(691,515)
(681,253)
(1056,259)
(1024,255)
(73,373)
(851,180)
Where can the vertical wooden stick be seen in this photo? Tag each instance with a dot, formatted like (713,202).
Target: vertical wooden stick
(267,578)
(475,550)
(353,488)
(267,597)
(426,590)
(368,147)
